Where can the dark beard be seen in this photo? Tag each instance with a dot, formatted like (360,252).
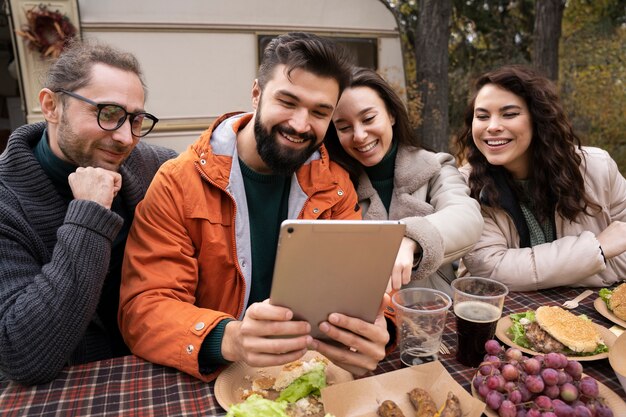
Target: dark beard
(281,160)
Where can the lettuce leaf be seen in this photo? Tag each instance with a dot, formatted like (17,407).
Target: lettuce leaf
(308,384)
(257,406)
(517,332)
(605,294)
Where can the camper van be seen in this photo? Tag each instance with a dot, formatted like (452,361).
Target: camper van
(199,57)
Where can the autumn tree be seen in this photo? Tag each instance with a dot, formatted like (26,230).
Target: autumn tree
(425,30)
(485,34)
(593,73)
(547,34)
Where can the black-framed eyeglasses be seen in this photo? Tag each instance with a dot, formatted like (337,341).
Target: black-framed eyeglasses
(112,116)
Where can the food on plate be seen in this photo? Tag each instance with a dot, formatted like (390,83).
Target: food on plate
(615,300)
(423,403)
(389,409)
(452,407)
(256,405)
(512,384)
(424,406)
(572,331)
(300,379)
(553,329)
(294,392)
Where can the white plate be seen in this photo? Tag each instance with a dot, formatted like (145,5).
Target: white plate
(615,403)
(233,380)
(603,309)
(505,323)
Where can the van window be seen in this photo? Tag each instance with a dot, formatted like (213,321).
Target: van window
(364,50)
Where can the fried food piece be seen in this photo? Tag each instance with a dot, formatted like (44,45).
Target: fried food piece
(389,409)
(452,407)
(423,403)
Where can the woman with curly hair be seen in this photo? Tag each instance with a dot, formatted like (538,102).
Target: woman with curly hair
(554,210)
(396,179)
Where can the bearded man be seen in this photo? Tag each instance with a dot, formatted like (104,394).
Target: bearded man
(68,190)
(198,266)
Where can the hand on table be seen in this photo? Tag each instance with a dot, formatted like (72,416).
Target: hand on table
(256,340)
(363,343)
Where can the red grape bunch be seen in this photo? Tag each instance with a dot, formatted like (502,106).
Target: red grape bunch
(548,385)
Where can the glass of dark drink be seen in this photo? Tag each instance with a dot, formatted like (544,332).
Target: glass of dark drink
(478,306)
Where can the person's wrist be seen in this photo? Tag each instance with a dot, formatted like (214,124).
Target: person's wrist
(602,253)
(229,350)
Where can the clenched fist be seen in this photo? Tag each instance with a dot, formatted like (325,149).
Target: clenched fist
(95,184)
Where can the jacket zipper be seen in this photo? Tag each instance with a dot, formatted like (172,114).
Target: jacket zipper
(234,246)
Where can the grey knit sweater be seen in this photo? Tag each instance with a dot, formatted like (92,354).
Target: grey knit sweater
(54,259)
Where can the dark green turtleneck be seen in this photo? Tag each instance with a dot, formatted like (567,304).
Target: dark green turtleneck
(381,175)
(55,168)
(540,232)
(58,171)
(267,199)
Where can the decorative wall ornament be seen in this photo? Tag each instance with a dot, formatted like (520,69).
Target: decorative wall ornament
(47,31)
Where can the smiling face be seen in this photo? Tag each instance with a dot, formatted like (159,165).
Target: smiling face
(364,126)
(292,116)
(78,139)
(502,129)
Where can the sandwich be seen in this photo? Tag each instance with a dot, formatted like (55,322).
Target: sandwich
(553,329)
(294,392)
(615,300)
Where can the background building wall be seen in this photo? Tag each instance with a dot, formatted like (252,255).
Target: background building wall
(200,57)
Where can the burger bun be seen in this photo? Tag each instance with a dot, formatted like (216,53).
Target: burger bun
(575,332)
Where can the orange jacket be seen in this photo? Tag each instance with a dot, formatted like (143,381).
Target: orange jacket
(187,262)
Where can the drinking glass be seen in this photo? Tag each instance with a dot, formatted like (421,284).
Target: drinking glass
(420,320)
(478,306)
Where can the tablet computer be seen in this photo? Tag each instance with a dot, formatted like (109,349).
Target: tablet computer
(326,266)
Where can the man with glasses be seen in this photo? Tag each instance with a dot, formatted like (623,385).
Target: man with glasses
(198,265)
(68,191)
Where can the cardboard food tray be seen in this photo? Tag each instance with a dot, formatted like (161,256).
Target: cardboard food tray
(361,398)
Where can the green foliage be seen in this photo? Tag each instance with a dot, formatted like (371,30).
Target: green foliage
(485,34)
(488,33)
(406,13)
(592,75)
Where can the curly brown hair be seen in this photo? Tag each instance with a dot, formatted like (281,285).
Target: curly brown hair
(556,151)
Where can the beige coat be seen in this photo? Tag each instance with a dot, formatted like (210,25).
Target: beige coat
(574,258)
(432,198)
